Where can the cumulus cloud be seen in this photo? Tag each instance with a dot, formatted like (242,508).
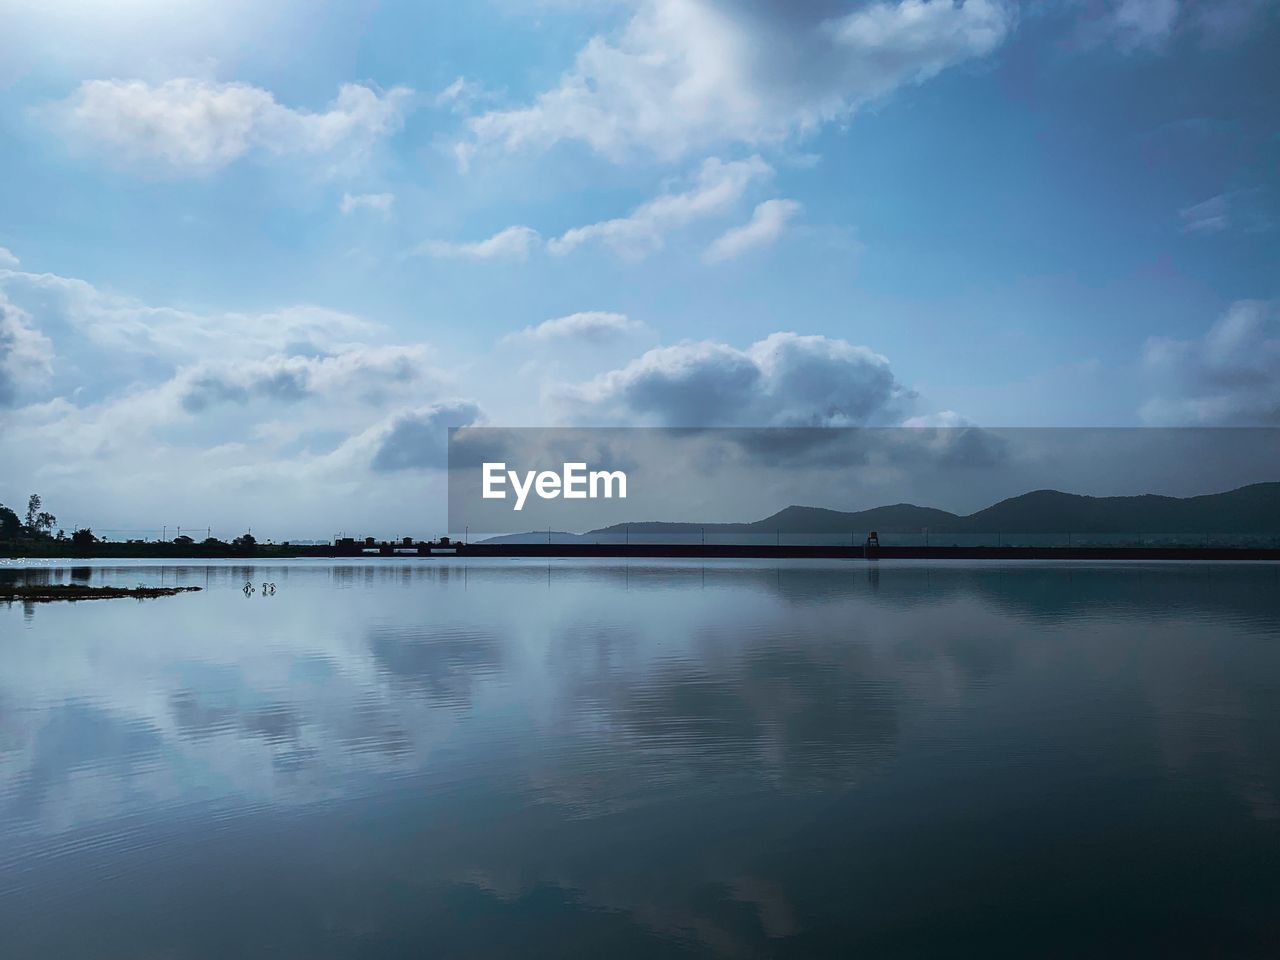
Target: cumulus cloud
(130,409)
(764,228)
(26,355)
(947,438)
(7,259)
(381,202)
(361,372)
(1229,376)
(686,74)
(512,243)
(784,380)
(588,326)
(461,95)
(1227,21)
(1148,26)
(1133,24)
(417,439)
(717,187)
(125,328)
(189,126)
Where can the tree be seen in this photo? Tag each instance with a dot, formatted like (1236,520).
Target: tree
(10,525)
(245,541)
(83,537)
(39,522)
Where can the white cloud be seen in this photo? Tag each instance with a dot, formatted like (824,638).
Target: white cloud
(718,186)
(125,327)
(417,439)
(123,409)
(1142,23)
(1228,21)
(688,74)
(588,326)
(1148,26)
(26,354)
(1229,376)
(764,228)
(942,420)
(462,94)
(1237,210)
(7,259)
(380,202)
(357,373)
(1209,216)
(189,126)
(513,243)
(784,380)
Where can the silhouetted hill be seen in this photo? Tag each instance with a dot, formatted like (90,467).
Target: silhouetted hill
(1251,509)
(534,536)
(1254,509)
(898,518)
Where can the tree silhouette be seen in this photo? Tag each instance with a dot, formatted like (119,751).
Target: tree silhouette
(10,525)
(39,522)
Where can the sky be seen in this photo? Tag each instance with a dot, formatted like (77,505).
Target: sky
(255,259)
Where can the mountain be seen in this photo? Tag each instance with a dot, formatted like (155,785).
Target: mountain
(1251,509)
(898,518)
(535,536)
(1254,509)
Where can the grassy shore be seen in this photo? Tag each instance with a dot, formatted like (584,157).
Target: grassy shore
(46,593)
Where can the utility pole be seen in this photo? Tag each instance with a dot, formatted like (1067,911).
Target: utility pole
(164,533)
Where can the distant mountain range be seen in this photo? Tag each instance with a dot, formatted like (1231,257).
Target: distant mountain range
(1254,509)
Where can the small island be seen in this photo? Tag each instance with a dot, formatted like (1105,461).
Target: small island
(48,592)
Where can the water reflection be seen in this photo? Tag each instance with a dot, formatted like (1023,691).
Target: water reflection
(732,759)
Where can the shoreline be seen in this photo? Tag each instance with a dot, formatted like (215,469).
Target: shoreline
(688,551)
(54,592)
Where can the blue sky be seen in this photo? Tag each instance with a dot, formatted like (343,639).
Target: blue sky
(247,252)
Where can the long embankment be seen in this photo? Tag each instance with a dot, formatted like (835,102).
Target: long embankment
(679,551)
(794,551)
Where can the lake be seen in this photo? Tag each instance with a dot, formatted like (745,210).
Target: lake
(608,759)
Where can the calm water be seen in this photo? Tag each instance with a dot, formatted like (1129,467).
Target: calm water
(439,759)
